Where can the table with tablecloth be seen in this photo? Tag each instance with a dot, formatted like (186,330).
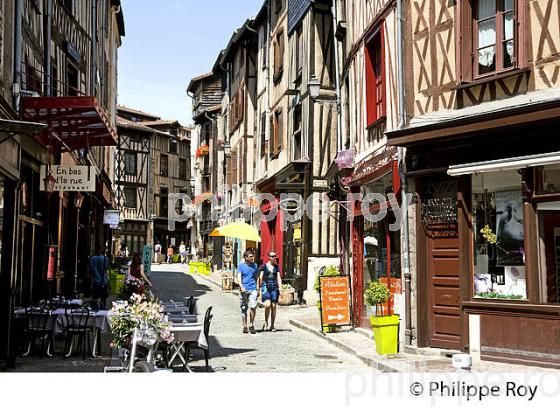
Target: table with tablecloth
(186,332)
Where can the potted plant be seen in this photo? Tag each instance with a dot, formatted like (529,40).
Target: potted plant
(202,151)
(331,270)
(385,326)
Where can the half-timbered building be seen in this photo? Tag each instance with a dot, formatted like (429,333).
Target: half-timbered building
(483,100)
(296,134)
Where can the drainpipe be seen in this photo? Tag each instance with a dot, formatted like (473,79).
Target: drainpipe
(404,186)
(17,52)
(93,78)
(339,143)
(47,25)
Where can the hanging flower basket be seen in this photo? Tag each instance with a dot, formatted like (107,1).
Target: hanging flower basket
(202,151)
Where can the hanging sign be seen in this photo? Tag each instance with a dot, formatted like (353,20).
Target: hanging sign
(335,300)
(111,217)
(70,178)
(147,259)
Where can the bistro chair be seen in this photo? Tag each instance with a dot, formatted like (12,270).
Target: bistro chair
(79,323)
(194,345)
(37,319)
(191,303)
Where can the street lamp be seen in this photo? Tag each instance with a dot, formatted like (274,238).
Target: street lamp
(78,201)
(49,181)
(227,149)
(314,90)
(313,87)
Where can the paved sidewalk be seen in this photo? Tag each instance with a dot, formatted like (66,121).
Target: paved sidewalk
(360,343)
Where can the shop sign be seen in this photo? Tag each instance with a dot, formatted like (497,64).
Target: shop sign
(70,178)
(147,259)
(111,217)
(335,300)
(439,205)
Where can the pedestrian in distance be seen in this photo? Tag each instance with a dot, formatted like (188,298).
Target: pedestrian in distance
(99,264)
(157,253)
(170,252)
(247,277)
(136,269)
(183,252)
(270,285)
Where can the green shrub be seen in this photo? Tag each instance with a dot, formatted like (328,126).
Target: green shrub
(495,295)
(331,270)
(376,293)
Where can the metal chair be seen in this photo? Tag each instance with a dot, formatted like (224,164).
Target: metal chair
(194,345)
(191,304)
(80,324)
(37,318)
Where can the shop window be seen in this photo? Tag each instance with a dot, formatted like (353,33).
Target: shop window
(549,244)
(299,52)
(499,254)
(548,180)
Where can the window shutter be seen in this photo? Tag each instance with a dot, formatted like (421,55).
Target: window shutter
(280,132)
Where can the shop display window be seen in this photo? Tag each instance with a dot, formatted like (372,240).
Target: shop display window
(499,236)
(548,179)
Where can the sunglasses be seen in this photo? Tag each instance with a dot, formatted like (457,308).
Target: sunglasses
(272,256)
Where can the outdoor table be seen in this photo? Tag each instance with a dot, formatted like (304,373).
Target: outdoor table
(186,332)
(172,310)
(182,318)
(100,325)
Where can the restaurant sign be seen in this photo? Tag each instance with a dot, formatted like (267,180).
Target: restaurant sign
(69,178)
(111,217)
(335,300)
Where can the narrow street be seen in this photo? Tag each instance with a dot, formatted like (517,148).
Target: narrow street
(288,350)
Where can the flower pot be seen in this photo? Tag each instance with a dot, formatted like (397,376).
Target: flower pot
(192,267)
(386,333)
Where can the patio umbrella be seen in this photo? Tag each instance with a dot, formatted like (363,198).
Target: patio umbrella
(239,230)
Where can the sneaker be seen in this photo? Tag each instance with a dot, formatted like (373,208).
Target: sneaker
(252,330)
(245,330)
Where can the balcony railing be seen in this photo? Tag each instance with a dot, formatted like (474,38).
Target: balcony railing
(33,81)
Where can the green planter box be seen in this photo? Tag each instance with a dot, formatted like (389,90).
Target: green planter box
(386,333)
(175,259)
(116,283)
(192,267)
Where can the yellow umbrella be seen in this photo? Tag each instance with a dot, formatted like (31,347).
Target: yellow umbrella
(239,230)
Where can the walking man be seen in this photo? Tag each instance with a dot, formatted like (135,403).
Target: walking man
(157,251)
(270,284)
(99,263)
(247,277)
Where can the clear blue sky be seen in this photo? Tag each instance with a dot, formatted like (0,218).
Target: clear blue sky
(167,43)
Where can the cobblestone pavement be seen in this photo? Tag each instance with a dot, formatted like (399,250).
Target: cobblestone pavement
(287,350)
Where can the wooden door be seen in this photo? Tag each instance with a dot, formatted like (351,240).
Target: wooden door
(444,313)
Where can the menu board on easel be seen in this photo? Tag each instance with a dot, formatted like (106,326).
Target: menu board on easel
(335,300)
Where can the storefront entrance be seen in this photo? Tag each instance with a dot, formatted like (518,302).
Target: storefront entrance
(444,316)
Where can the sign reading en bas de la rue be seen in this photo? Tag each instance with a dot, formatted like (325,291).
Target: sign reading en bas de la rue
(70,178)
(335,300)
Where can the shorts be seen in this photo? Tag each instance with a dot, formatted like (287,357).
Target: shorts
(271,294)
(248,300)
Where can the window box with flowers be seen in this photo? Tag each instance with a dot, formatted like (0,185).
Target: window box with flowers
(202,151)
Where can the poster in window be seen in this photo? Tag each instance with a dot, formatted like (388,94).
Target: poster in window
(509,228)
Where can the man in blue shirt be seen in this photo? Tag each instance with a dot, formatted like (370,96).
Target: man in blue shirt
(247,279)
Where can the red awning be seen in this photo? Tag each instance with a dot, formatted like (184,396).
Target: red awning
(75,122)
